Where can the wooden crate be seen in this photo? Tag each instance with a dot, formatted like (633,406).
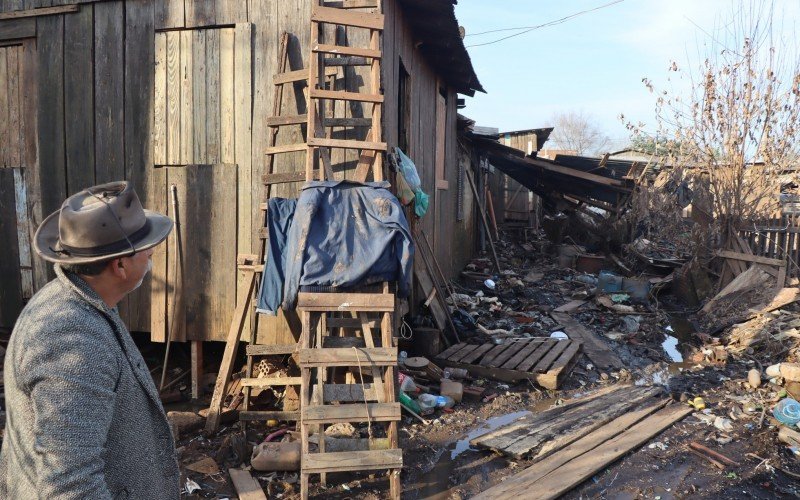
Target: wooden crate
(545,361)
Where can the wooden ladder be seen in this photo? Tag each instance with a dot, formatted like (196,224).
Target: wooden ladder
(254,264)
(324,401)
(323,57)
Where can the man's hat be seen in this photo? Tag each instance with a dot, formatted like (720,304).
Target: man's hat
(100,223)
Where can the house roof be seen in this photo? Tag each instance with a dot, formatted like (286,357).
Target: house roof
(436,31)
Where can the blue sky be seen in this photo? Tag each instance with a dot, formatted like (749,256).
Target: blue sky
(592,63)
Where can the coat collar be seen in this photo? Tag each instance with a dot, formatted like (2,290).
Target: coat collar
(78,286)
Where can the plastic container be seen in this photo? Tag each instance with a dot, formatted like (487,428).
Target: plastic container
(452,389)
(444,402)
(427,403)
(409,403)
(407,384)
(455,373)
(282,456)
(787,411)
(609,282)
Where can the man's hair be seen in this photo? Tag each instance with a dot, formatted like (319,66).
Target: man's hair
(90,269)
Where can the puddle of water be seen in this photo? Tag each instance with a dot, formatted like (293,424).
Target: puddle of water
(670,345)
(434,484)
(491,424)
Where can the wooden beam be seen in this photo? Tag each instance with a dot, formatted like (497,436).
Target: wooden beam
(247,488)
(24,28)
(331,414)
(352,461)
(45,11)
(270,381)
(750,258)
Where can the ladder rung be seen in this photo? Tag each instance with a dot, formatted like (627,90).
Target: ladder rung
(268,350)
(329,414)
(346,144)
(286,148)
(253,268)
(348,356)
(270,381)
(284,177)
(348,323)
(250,415)
(347,51)
(298,75)
(343,461)
(369,20)
(342,302)
(277,121)
(346,61)
(341,95)
(353,4)
(347,122)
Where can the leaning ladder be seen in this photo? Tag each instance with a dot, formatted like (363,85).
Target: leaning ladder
(337,330)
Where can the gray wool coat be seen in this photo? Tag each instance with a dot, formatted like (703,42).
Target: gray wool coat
(83,416)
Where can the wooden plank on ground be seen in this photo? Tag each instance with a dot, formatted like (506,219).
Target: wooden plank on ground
(598,351)
(569,306)
(542,437)
(246,487)
(538,354)
(574,472)
(523,354)
(477,353)
(519,483)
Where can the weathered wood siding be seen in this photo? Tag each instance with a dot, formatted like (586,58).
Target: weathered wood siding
(177,92)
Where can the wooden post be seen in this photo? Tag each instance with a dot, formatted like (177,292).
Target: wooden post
(197,369)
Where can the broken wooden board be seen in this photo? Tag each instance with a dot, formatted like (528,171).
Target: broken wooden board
(246,487)
(749,279)
(545,361)
(598,351)
(541,434)
(784,297)
(569,306)
(569,467)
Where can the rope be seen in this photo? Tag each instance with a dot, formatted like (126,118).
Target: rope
(407,329)
(363,393)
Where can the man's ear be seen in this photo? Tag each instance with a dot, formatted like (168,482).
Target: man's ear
(117,267)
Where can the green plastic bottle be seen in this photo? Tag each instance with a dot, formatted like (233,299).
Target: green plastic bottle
(409,403)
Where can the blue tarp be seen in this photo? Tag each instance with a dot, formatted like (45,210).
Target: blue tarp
(340,235)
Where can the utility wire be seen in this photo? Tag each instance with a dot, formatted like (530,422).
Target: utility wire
(528,29)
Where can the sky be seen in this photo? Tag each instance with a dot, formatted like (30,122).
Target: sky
(593,63)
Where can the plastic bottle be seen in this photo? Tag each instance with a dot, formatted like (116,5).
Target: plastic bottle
(444,402)
(427,403)
(409,403)
(407,384)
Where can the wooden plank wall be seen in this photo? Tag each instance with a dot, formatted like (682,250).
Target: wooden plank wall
(123,86)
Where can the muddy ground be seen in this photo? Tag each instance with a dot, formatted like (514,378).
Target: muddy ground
(665,350)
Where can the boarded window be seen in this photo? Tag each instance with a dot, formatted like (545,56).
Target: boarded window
(194,120)
(201,139)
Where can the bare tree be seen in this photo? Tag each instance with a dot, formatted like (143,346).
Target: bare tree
(740,124)
(577,131)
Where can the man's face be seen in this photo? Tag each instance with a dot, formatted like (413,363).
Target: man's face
(136,267)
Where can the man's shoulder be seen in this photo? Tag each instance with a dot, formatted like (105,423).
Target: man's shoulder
(56,309)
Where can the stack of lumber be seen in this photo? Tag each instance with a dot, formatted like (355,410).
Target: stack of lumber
(572,442)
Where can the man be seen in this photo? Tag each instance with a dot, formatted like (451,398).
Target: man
(83,416)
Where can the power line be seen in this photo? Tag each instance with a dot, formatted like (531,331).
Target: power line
(528,29)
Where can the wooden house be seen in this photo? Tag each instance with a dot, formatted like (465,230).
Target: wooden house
(180,93)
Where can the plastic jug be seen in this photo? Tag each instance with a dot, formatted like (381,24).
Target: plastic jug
(452,389)
(444,402)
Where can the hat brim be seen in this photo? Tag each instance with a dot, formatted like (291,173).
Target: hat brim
(45,241)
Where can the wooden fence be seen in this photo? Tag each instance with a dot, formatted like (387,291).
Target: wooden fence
(777,238)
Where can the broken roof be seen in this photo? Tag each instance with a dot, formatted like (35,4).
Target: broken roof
(436,31)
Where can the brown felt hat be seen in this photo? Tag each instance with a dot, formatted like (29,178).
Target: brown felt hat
(100,223)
